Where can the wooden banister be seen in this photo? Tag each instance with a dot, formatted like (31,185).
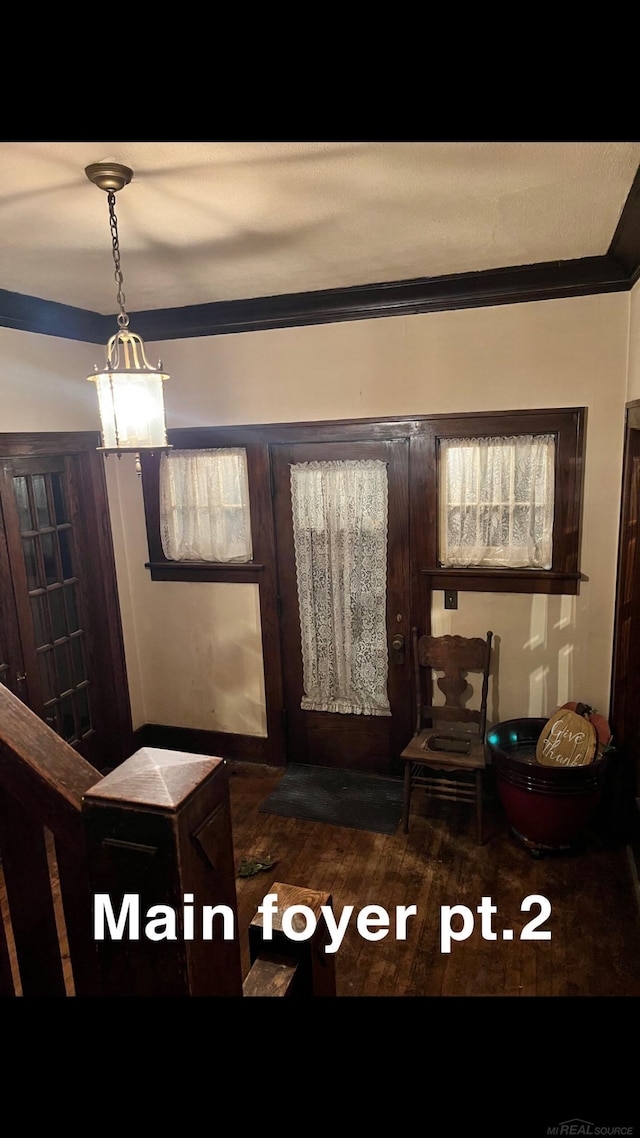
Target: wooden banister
(39,769)
(157,828)
(282,966)
(42,782)
(272,975)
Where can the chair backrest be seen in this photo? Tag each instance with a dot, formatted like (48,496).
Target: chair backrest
(454,656)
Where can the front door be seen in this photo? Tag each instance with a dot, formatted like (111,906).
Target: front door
(60,646)
(352,738)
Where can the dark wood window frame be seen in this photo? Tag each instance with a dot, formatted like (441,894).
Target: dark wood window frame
(424,432)
(261,571)
(245,572)
(567,425)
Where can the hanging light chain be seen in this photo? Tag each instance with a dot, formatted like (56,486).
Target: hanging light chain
(123,319)
(129,389)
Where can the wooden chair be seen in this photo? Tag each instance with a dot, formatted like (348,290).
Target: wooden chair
(449,739)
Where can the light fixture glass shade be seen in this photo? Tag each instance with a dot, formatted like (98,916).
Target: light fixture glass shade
(130,397)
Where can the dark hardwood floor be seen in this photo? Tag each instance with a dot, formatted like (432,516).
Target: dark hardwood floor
(594,922)
(594,948)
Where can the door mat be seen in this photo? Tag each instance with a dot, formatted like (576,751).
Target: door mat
(337,797)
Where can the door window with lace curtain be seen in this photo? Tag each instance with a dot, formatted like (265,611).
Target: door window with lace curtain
(204,505)
(340,518)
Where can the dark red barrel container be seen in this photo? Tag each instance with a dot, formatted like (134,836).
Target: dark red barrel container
(547,807)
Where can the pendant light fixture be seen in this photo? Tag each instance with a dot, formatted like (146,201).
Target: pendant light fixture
(130,390)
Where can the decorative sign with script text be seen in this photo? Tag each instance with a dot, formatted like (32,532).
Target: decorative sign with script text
(567,740)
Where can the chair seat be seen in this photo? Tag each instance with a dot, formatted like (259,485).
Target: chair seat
(423,748)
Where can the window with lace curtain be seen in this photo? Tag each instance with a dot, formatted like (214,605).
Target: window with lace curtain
(204,505)
(503,500)
(497,501)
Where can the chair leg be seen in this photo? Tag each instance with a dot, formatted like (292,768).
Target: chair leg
(479,806)
(407,798)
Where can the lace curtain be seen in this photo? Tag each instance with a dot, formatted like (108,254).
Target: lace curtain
(204,505)
(496,501)
(340,537)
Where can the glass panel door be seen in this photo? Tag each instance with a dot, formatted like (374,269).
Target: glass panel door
(52,537)
(59,637)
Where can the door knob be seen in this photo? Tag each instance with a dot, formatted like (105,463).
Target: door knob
(397,643)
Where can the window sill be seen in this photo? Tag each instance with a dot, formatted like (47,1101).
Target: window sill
(245,573)
(505,580)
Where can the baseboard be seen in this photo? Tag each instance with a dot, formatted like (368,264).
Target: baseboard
(221,744)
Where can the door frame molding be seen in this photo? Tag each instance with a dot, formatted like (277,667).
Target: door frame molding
(628,551)
(626,804)
(399,727)
(258,440)
(102,586)
(422,431)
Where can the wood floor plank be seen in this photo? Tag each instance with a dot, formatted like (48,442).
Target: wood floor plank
(595,924)
(595,921)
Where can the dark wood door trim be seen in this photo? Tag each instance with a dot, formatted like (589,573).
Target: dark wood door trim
(627,604)
(103,596)
(12,671)
(624,714)
(330,734)
(31,691)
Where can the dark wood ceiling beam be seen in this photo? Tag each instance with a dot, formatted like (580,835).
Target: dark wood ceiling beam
(517,285)
(396,298)
(625,245)
(31,314)
(616,271)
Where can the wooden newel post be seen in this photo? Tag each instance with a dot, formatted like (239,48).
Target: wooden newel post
(281,964)
(158,834)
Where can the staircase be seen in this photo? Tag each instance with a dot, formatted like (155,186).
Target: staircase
(126,882)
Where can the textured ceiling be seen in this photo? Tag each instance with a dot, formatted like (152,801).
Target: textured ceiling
(211,221)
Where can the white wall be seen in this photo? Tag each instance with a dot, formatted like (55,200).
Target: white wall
(548,354)
(43,385)
(196,647)
(193,650)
